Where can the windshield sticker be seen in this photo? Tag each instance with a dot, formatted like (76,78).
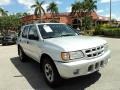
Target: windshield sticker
(47,28)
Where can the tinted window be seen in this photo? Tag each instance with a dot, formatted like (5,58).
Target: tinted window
(25,31)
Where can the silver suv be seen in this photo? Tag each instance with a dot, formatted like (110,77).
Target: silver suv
(61,52)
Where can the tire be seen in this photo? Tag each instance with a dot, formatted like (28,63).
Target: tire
(51,74)
(3,44)
(22,55)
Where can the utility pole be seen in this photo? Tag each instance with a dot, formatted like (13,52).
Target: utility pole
(110,12)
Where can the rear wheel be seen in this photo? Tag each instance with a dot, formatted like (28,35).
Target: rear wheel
(50,72)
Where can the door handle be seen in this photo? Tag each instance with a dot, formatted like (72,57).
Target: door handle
(27,42)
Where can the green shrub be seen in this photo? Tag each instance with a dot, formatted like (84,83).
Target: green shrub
(98,30)
(89,32)
(108,32)
(105,26)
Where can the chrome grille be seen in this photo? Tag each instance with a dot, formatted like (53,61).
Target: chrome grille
(94,52)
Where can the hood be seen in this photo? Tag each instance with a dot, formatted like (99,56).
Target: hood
(74,43)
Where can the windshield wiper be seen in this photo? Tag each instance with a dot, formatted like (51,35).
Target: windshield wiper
(49,37)
(67,35)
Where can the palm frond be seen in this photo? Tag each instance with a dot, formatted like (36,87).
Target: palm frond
(43,11)
(42,3)
(33,6)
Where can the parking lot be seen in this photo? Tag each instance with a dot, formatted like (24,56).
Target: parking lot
(26,76)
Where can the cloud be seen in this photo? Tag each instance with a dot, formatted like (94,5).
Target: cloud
(100,11)
(26,3)
(118,19)
(114,16)
(30,11)
(29,3)
(45,6)
(5,2)
(68,9)
(107,1)
(58,2)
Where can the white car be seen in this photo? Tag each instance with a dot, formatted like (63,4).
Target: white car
(61,52)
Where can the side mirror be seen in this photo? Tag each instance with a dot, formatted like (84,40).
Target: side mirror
(77,31)
(33,37)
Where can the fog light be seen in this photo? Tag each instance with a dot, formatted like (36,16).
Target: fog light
(102,63)
(76,71)
(90,68)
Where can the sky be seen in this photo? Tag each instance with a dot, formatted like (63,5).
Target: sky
(15,6)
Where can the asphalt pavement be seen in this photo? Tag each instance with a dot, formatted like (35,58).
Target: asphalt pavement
(15,75)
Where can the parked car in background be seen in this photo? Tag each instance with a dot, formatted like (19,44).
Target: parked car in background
(61,52)
(9,39)
(1,39)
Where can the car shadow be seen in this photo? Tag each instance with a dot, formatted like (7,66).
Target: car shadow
(31,71)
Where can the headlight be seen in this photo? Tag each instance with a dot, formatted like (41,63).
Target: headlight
(72,55)
(106,47)
(76,55)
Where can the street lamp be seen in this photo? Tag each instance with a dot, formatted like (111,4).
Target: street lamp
(110,12)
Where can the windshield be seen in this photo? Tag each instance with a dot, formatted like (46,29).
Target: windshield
(56,30)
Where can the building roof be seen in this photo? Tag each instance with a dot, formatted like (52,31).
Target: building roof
(65,17)
(103,18)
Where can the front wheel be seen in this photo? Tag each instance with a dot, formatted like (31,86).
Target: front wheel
(50,73)
(3,44)
(22,55)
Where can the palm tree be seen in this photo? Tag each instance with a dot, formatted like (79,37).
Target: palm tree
(84,9)
(89,6)
(53,9)
(77,8)
(38,8)
(3,12)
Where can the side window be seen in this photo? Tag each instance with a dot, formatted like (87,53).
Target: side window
(33,34)
(25,31)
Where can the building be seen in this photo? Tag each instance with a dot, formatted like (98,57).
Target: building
(66,18)
(102,19)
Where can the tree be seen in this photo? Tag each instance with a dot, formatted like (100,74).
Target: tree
(83,10)
(87,23)
(77,8)
(25,14)
(53,9)
(3,12)
(11,22)
(38,8)
(89,6)
(19,15)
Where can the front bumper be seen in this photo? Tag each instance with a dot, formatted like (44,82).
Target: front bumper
(8,41)
(82,67)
